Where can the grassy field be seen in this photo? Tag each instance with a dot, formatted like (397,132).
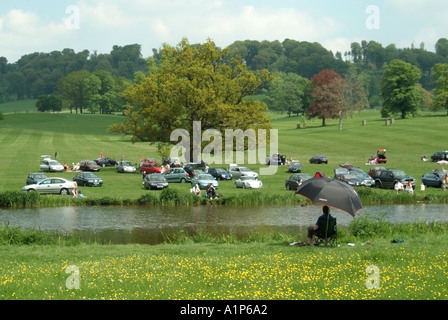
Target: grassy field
(266,270)
(261,268)
(26,136)
(18,106)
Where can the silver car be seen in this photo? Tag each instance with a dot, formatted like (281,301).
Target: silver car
(126,166)
(50,165)
(242,171)
(52,185)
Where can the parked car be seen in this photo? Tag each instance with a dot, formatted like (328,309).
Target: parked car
(439,155)
(203,180)
(106,162)
(366,179)
(220,173)
(149,167)
(35,178)
(150,160)
(345,175)
(433,179)
(242,171)
(373,170)
(248,182)
(276,158)
(295,166)
(176,175)
(387,178)
(155,181)
(175,162)
(379,157)
(52,185)
(293,181)
(49,165)
(88,165)
(88,179)
(319,159)
(189,167)
(126,166)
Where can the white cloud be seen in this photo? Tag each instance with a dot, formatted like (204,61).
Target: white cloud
(26,32)
(152,22)
(338,44)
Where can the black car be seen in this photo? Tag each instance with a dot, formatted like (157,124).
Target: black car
(319,159)
(293,181)
(387,178)
(220,173)
(155,181)
(295,166)
(193,166)
(433,179)
(439,155)
(106,162)
(345,175)
(88,179)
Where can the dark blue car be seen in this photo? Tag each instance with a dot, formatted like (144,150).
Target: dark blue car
(220,173)
(319,159)
(433,179)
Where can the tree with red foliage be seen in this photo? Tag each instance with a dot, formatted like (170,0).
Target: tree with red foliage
(327,95)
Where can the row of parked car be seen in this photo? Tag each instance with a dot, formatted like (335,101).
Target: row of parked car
(377,176)
(155,178)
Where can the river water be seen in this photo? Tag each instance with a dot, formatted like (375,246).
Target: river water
(151,225)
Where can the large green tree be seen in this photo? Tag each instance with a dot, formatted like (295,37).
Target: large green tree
(288,93)
(194,83)
(441,91)
(49,103)
(399,89)
(72,88)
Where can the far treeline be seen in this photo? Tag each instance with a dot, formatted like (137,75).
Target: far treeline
(93,82)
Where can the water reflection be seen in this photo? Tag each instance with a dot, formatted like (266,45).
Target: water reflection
(152,224)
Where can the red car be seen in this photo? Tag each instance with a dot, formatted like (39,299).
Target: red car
(149,167)
(379,157)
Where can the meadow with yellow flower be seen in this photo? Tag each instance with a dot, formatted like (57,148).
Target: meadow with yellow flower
(271,270)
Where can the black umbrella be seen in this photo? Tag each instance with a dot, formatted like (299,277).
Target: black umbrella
(331,192)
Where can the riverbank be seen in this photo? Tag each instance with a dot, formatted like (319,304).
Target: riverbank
(369,196)
(365,265)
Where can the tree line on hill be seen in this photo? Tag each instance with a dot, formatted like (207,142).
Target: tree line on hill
(95,82)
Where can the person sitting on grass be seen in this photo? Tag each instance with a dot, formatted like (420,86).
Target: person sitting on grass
(409,188)
(196,190)
(398,186)
(315,231)
(211,191)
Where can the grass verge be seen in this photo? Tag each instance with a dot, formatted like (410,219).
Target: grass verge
(261,267)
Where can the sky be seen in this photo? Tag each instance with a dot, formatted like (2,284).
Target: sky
(28,26)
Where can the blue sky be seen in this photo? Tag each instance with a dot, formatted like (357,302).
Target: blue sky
(28,26)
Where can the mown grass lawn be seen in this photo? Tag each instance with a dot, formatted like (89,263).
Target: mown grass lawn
(26,136)
(415,269)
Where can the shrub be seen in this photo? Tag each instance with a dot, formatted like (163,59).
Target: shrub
(148,199)
(366,226)
(15,236)
(19,199)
